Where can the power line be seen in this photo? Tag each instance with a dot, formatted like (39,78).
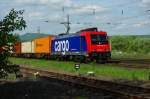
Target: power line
(93,11)
(104,23)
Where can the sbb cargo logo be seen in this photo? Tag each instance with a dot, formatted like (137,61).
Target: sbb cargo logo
(62,46)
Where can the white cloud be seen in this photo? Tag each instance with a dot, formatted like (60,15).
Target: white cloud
(120,26)
(43,9)
(34,15)
(55,18)
(24,1)
(141,24)
(102,18)
(63,2)
(146,1)
(47,2)
(107,16)
(88,9)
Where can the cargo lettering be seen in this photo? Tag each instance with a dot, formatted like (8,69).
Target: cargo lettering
(62,46)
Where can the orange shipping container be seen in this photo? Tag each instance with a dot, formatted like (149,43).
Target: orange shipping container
(43,45)
(17,48)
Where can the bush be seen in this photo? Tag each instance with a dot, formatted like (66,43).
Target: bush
(130,44)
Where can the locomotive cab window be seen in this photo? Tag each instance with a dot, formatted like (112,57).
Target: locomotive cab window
(99,39)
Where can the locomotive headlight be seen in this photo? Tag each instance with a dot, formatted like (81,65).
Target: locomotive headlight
(94,54)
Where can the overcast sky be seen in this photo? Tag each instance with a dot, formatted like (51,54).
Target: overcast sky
(117,17)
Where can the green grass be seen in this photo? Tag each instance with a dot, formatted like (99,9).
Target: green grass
(102,70)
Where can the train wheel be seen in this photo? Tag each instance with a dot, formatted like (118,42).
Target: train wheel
(86,60)
(101,61)
(75,59)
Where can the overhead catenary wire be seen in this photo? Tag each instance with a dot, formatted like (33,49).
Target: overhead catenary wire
(93,11)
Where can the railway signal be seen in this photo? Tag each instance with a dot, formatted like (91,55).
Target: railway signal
(77,67)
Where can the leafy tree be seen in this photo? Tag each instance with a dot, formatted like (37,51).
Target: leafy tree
(11,22)
(131,44)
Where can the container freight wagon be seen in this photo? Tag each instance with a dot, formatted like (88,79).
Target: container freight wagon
(17,49)
(42,47)
(27,49)
(88,44)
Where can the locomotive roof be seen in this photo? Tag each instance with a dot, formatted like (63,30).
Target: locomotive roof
(88,29)
(64,35)
(67,35)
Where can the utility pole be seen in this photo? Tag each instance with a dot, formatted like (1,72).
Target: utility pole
(94,11)
(38,30)
(67,24)
(122,12)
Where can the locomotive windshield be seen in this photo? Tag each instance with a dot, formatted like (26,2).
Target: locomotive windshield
(99,39)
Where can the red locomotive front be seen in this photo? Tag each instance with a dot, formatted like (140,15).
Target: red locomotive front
(98,46)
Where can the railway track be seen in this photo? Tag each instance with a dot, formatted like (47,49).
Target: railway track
(131,63)
(138,61)
(122,90)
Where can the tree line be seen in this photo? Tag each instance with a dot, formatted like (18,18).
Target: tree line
(130,44)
